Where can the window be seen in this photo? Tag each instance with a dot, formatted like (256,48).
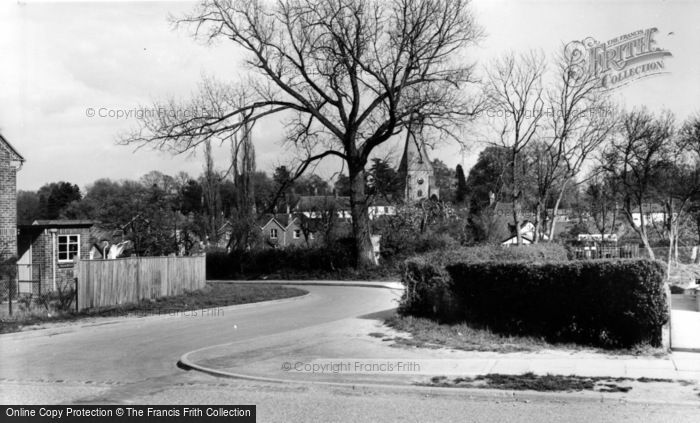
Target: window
(273,233)
(297,233)
(68,247)
(420,193)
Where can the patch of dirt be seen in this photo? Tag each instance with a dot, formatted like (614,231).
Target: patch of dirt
(546,383)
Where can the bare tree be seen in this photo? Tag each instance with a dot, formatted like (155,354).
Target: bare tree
(515,95)
(580,120)
(211,180)
(635,161)
(600,199)
(679,182)
(348,75)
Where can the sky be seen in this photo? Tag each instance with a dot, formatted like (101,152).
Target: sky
(62,61)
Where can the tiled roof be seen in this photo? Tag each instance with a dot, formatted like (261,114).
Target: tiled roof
(322,202)
(282,218)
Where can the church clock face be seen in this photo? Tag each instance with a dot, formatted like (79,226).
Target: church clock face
(420,181)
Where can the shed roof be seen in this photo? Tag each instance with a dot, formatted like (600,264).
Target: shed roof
(62,223)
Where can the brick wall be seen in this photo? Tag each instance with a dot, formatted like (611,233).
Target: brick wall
(8,204)
(42,253)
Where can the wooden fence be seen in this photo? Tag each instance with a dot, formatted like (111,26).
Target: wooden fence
(127,280)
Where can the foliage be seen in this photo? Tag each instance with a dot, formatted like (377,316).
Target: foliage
(8,271)
(429,285)
(419,228)
(51,201)
(610,303)
(341,186)
(490,174)
(254,264)
(384,181)
(445,180)
(462,188)
(27,207)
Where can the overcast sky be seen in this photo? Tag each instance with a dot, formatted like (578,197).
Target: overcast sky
(60,59)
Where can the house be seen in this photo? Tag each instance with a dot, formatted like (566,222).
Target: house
(653,214)
(317,206)
(283,230)
(47,249)
(527,234)
(380,207)
(10,162)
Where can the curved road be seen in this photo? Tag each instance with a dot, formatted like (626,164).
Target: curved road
(133,361)
(135,349)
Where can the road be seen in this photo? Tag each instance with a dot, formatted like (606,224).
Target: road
(135,349)
(133,361)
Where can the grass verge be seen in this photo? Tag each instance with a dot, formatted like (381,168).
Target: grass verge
(427,333)
(546,383)
(211,296)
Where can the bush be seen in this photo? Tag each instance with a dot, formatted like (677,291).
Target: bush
(402,243)
(288,261)
(428,284)
(609,303)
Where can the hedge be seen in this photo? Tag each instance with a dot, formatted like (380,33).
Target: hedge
(609,303)
(293,260)
(428,284)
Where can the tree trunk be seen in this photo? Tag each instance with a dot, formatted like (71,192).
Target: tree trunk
(360,219)
(556,210)
(516,200)
(516,220)
(670,250)
(538,222)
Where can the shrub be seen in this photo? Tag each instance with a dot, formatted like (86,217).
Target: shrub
(427,288)
(405,243)
(428,284)
(288,261)
(610,303)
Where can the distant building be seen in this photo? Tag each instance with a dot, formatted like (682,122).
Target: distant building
(317,206)
(652,213)
(283,230)
(417,172)
(527,234)
(10,162)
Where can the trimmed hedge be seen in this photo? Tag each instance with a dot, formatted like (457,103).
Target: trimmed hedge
(610,303)
(429,285)
(257,263)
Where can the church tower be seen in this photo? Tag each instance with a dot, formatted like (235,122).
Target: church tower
(417,172)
